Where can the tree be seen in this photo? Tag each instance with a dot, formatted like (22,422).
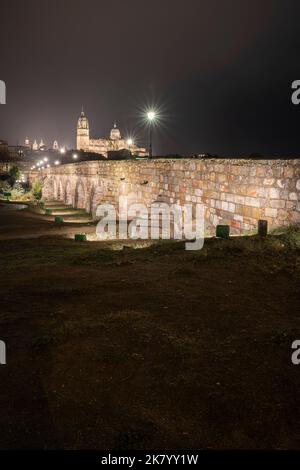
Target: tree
(37,189)
(14,174)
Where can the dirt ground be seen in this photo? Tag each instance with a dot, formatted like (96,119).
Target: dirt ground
(154,348)
(26,224)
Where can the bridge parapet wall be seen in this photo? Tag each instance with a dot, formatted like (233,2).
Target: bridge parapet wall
(234,191)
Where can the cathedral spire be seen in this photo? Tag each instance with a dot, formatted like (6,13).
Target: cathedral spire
(115,133)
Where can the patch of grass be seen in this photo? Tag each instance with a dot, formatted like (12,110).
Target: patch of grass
(283,338)
(184,272)
(129,440)
(95,257)
(44,341)
(114,357)
(61,291)
(125,316)
(134,438)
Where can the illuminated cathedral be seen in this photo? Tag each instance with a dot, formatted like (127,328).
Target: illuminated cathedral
(103,146)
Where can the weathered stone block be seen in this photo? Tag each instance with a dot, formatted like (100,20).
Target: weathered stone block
(261,171)
(274,193)
(288,172)
(238,217)
(293,196)
(268,181)
(277,204)
(224,205)
(198,192)
(251,201)
(280,183)
(231,207)
(269,212)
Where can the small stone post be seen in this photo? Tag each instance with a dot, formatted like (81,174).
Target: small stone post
(262,228)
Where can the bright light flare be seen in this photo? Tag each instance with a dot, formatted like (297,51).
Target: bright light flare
(151,115)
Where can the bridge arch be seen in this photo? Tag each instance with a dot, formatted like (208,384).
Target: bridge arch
(96,198)
(48,188)
(68,196)
(55,188)
(60,190)
(80,195)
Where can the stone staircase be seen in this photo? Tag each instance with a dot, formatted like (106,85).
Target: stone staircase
(69,213)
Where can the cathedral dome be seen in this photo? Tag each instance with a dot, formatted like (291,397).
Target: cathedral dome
(115,134)
(83,122)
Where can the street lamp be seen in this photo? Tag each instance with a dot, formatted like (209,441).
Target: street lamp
(129,144)
(151,115)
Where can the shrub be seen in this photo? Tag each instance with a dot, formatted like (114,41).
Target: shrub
(37,190)
(17,191)
(14,173)
(26,197)
(5,186)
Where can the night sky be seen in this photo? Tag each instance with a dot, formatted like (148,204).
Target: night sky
(219,71)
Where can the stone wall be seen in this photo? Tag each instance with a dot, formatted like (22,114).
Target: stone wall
(237,192)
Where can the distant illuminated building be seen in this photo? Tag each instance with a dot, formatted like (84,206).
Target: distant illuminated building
(42,145)
(55,146)
(103,146)
(35,145)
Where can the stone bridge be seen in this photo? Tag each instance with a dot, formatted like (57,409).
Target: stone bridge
(238,192)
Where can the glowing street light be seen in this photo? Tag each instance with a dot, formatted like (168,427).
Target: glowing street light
(57,162)
(130,143)
(151,115)
(62,150)
(75,156)
(45,159)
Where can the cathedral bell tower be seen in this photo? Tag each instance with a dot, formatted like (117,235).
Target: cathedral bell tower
(83,133)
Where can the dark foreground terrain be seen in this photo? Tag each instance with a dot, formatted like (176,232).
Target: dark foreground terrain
(151,348)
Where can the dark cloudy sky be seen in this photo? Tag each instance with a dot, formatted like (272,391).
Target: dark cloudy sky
(220,71)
